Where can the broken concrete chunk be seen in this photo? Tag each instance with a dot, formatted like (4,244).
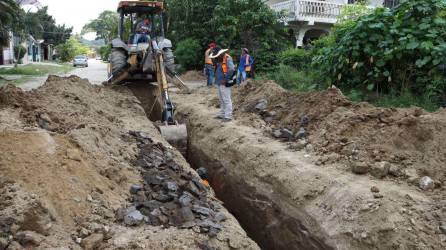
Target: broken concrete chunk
(73,154)
(301,134)
(380,169)
(29,238)
(359,167)
(426,183)
(261,105)
(134,189)
(374,189)
(133,218)
(92,242)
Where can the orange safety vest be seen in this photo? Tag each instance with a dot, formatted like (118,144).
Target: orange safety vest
(208,60)
(224,65)
(248,63)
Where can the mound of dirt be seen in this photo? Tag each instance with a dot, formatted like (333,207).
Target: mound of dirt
(193,75)
(357,133)
(68,162)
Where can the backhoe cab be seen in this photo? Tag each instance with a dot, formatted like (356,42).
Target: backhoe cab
(132,60)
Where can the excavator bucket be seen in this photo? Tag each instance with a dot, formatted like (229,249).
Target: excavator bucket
(176,135)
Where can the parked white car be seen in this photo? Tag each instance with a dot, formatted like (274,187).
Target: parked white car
(80,61)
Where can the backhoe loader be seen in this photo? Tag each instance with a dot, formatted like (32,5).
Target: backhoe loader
(142,66)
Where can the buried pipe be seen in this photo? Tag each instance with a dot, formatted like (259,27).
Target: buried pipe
(267,220)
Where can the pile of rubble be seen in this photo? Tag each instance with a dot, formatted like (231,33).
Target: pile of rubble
(170,196)
(268,115)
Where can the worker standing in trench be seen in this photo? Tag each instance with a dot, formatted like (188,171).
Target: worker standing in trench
(224,72)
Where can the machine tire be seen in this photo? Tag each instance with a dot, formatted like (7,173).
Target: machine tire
(118,59)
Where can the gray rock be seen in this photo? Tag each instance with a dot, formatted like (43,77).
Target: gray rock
(359,167)
(29,238)
(268,119)
(185,199)
(443,227)
(187,214)
(301,133)
(394,170)
(220,216)
(201,210)
(304,120)
(426,183)
(133,218)
(3,243)
(380,169)
(92,242)
(171,186)
(134,189)
(286,134)
(151,205)
(270,114)
(261,105)
(277,133)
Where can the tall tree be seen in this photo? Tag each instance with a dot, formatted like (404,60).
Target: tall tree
(9,15)
(105,26)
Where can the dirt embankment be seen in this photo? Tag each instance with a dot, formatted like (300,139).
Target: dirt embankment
(411,140)
(67,163)
(300,190)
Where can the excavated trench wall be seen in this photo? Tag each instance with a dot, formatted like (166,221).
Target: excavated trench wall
(268,217)
(260,212)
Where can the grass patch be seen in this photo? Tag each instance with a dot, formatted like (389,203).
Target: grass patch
(18,81)
(36,70)
(294,79)
(406,100)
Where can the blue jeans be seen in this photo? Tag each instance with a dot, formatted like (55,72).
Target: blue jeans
(210,74)
(143,38)
(241,77)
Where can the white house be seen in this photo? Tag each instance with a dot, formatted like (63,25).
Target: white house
(310,19)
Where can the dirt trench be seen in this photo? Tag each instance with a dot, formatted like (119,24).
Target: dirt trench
(285,199)
(71,157)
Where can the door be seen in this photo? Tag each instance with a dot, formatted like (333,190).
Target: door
(1,56)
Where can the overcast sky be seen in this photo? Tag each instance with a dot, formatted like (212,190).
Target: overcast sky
(79,12)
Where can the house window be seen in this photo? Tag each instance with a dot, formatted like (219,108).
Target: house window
(391,3)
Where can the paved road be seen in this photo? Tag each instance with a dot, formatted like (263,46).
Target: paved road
(96,73)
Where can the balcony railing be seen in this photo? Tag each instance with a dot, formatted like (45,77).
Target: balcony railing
(309,10)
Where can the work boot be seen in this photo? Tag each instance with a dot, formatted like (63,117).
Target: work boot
(227,119)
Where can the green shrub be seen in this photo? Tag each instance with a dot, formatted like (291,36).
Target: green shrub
(297,58)
(390,52)
(105,51)
(71,48)
(187,54)
(21,49)
(293,79)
